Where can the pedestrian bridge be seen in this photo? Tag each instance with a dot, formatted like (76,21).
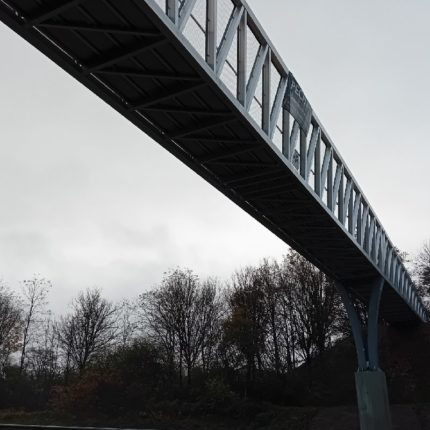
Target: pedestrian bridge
(202,78)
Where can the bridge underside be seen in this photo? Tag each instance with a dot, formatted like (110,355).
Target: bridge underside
(125,54)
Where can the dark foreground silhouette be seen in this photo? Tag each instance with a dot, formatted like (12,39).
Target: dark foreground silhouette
(325,392)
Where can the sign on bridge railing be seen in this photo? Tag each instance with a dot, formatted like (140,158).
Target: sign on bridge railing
(297,104)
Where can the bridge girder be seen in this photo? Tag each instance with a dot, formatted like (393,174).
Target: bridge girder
(154,75)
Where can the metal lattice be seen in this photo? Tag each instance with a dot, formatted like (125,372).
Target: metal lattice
(147,57)
(313,156)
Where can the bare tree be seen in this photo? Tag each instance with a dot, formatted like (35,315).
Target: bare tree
(270,279)
(245,328)
(315,305)
(288,316)
(34,293)
(182,315)
(42,357)
(128,322)
(213,309)
(65,333)
(194,316)
(10,325)
(89,330)
(280,315)
(158,321)
(422,272)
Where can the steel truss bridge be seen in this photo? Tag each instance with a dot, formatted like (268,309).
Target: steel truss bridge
(202,78)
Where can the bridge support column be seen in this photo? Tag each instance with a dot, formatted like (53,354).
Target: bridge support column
(370,382)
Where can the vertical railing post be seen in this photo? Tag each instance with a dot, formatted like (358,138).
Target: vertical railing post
(359,223)
(172,10)
(241,59)
(341,200)
(286,133)
(303,154)
(317,169)
(265,115)
(211,36)
(330,183)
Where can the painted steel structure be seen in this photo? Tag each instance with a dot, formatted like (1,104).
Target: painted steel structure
(202,78)
(53,427)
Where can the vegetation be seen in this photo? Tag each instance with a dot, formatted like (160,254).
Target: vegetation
(422,272)
(189,347)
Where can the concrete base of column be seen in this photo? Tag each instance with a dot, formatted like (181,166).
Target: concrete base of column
(372,397)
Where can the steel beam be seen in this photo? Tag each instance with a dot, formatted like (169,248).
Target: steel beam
(341,200)
(346,199)
(357,205)
(336,185)
(241,59)
(258,181)
(268,190)
(315,137)
(366,346)
(295,132)
(185,13)
(230,152)
(317,164)
(244,177)
(372,323)
(243,163)
(186,110)
(330,182)
(200,126)
(286,134)
(165,95)
(370,380)
(92,28)
(109,60)
(148,74)
(172,10)
(277,105)
(211,32)
(227,38)
(265,114)
(55,11)
(363,228)
(255,75)
(328,155)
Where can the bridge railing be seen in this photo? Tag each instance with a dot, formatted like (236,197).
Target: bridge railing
(226,34)
(5,426)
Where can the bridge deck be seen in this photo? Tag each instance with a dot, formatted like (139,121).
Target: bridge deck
(132,54)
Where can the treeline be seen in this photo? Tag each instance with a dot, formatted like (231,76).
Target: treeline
(188,340)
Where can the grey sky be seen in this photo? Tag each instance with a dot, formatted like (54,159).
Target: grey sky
(87,199)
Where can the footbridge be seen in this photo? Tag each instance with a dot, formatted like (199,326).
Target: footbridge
(202,78)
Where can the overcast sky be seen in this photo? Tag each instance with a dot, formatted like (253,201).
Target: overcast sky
(88,200)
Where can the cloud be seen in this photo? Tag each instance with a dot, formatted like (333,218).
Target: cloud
(88,199)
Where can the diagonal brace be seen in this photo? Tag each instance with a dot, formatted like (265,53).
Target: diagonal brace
(366,341)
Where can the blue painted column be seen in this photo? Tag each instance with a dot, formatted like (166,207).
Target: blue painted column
(370,381)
